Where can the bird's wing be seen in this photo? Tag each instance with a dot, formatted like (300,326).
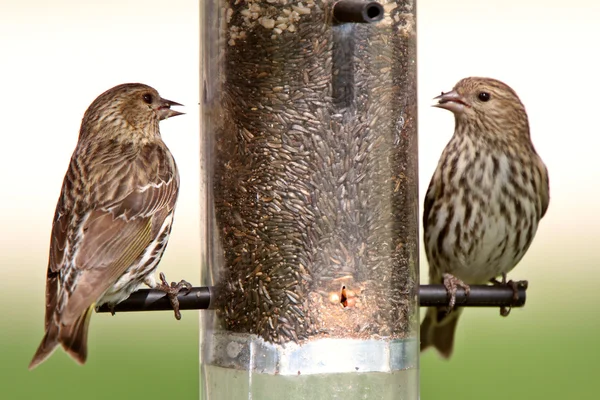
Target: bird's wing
(545,192)
(428,203)
(58,242)
(114,235)
(430,196)
(114,239)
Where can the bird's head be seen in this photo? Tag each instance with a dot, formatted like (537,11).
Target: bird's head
(131,104)
(489,102)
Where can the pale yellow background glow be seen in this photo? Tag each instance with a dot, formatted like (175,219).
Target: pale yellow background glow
(547,52)
(56,58)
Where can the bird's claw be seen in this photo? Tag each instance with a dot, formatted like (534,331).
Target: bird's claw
(172,291)
(452,283)
(514,285)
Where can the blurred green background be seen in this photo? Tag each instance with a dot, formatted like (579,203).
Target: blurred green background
(58,56)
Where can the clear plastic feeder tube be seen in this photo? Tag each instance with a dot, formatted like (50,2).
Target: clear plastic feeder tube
(310,159)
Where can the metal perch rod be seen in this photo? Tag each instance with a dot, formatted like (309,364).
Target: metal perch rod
(198,298)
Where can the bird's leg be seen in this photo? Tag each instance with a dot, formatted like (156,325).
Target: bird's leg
(495,282)
(111,308)
(452,283)
(172,291)
(505,311)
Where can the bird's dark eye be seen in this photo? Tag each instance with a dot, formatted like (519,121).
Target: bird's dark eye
(147,98)
(484,96)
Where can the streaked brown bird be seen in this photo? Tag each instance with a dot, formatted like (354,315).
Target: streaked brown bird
(485,199)
(113,217)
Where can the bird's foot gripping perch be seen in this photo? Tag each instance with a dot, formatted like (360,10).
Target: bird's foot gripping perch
(172,291)
(452,283)
(514,285)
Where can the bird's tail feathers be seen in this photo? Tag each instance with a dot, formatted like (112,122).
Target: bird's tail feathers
(437,330)
(47,347)
(72,337)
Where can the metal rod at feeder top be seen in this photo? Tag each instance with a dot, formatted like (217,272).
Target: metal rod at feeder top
(357,11)
(429,295)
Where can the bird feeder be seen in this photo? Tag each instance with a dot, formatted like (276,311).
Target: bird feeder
(309,199)
(309,204)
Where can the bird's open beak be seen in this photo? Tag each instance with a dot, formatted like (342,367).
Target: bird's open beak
(452,101)
(164,111)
